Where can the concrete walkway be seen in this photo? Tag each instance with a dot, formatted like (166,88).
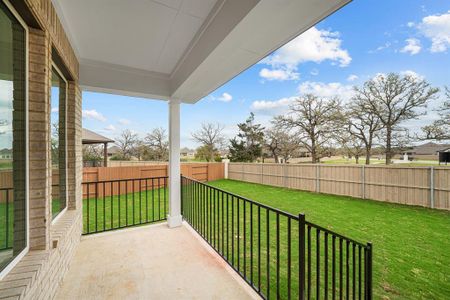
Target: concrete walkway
(152,262)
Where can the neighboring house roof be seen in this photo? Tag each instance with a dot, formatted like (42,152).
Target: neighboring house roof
(5,151)
(430,148)
(90,137)
(187,151)
(113,150)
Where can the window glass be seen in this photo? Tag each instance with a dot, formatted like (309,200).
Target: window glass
(58,143)
(13,233)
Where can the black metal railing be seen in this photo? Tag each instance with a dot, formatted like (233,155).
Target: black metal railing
(278,254)
(6,217)
(114,204)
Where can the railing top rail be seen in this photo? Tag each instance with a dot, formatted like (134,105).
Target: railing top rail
(6,189)
(286,214)
(128,179)
(336,234)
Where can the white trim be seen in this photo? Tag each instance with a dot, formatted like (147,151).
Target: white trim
(61,213)
(16,260)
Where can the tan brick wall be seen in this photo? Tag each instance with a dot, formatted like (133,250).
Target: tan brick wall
(52,246)
(39,137)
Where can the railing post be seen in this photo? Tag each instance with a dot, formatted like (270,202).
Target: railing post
(181,196)
(368,272)
(301,255)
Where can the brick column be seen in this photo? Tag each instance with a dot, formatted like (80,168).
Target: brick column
(39,139)
(74,147)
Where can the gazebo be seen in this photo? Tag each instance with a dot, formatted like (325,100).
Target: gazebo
(90,138)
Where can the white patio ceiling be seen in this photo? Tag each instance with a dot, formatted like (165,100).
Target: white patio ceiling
(179,49)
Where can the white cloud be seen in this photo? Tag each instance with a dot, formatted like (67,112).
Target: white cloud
(314,72)
(381,48)
(410,24)
(124,121)
(279,74)
(352,77)
(55,109)
(272,107)
(332,89)
(110,127)
(412,74)
(437,29)
(412,46)
(313,45)
(93,114)
(225,97)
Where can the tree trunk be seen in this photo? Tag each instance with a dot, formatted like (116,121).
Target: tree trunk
(388,145)
(313,151)
(357,159)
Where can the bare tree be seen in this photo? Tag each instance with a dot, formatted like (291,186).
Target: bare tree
(158,144)
(352,145)
(440,129)
(210,137)
(394,98)
(363,125)
(127,142)
(313,119)
(280,142)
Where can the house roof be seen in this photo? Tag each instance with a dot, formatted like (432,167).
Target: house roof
(5,151)
(113,150)
(430,148)
(90,137)
(179,49)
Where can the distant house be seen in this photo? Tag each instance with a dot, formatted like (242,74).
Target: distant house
(187,153)
(89,137)
(6,154)
(428,150)
(113,150)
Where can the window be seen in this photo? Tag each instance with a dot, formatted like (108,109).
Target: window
(58,142)
(13,138)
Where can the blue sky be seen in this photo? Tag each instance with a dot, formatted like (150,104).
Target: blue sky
(362,39)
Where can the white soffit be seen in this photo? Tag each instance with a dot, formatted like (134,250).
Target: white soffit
(181,49)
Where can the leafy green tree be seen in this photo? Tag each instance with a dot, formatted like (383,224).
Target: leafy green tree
(247,145)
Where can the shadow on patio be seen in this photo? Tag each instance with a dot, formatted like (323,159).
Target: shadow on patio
(151,262)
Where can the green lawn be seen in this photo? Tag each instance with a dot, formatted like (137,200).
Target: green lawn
(125,210)
(411,244)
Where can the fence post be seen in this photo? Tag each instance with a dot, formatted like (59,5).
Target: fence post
(226,163)
(317,178)
(285,175)
(363,182)
(368,272)
(432,187)
(301,255)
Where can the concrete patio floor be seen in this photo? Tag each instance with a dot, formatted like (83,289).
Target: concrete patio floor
(152,262)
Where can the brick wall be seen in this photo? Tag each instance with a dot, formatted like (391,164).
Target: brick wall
(52,246)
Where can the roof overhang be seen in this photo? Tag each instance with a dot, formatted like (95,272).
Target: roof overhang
(207,43)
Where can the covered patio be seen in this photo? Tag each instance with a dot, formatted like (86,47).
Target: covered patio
(151,262)
(177,51)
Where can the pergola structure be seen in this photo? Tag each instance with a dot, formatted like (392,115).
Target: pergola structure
(179,50)
(89,137)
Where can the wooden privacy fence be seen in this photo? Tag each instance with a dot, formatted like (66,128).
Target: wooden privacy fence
(423,186)
(200,171)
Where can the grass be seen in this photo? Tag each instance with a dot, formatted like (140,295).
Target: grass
(411,257)
(5,164)
(125,210)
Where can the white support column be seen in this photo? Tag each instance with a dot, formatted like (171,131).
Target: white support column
(174,218)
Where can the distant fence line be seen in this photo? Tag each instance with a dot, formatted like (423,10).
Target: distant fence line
(423,186)
(200,171)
